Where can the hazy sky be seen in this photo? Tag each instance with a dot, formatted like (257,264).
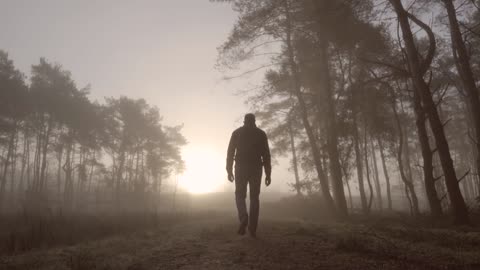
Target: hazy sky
(161,50)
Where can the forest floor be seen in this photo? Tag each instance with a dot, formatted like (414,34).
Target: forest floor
(211,242)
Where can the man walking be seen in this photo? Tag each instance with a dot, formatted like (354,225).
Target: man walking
(249,148)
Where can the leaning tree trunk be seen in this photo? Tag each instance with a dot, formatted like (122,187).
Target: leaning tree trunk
(459,207)
(427,154)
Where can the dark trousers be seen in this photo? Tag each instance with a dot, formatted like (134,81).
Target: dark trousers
(251,176)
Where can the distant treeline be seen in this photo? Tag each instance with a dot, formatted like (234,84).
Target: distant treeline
(354,88)
(59,148)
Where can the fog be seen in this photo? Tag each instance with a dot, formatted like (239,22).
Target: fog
(239,134)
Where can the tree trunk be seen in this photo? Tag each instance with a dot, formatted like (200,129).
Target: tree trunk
(464,68)
(409,188)
(367,168)
(136,179)
(36,162)
(68,186)
(6,163)
(350,198)
(92,169)
(385,172)
(378,188)
(459,207)
(409,173)
(294,158)
(347,183)
(359,165)
(304,115)
(13,168)
(44,156)
(59,171)
(119,171)
(427,154)
(328,101)
(25,161)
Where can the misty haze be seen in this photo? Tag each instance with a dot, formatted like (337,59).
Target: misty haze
(239,134)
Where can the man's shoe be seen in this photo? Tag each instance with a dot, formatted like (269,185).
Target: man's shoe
(241,230)
(252,233)
(243,227)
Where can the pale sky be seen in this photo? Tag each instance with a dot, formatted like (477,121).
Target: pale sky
(161,50)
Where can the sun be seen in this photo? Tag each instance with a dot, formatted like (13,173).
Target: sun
(204,171)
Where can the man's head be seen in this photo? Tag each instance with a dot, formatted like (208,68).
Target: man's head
(249,119)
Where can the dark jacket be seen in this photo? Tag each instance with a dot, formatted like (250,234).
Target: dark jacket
(249,147)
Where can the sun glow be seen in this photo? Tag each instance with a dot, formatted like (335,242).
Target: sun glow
(204,171)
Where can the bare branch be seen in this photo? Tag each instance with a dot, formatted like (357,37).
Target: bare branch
(432,43)
(228,78)
(464,175)
(446,122)
(401,71)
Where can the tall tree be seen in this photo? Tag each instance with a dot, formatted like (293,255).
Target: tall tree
(13,109)
(416,70)
(464,68)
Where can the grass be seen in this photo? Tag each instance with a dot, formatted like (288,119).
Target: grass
(450,248)
(22,232)
(293,235)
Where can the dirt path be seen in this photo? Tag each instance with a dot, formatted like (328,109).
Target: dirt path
(213,244)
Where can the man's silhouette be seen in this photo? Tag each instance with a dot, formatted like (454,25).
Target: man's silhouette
(249,148)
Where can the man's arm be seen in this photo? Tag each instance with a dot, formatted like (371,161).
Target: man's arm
(231,153)
(267,163)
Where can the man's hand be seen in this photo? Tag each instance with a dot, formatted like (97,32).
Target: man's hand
(268,180)
(231,178)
